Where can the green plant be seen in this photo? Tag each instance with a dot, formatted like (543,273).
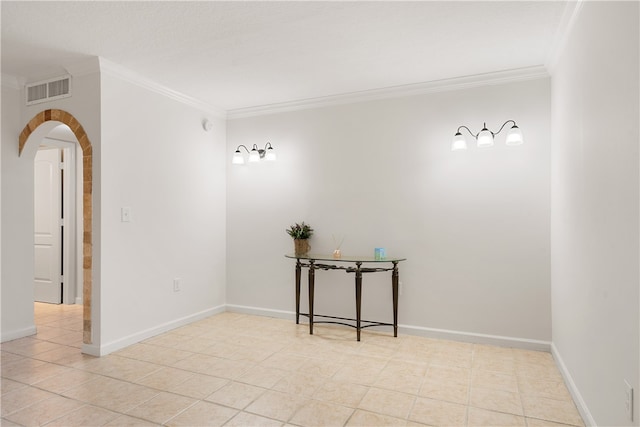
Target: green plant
(300,231)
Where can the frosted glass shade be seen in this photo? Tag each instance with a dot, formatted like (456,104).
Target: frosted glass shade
(270,155)
(238,159)
(514,137)
(458,143)
(254,156)
(485,138)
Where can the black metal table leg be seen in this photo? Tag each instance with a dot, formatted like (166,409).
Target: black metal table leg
(298,273)
(394,285)
(358,297)
(312,274)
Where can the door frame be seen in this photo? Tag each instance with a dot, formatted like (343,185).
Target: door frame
(71,257)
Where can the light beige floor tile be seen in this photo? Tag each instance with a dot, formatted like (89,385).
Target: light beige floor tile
(162,407)
(165,379)
(62,354)
(154,354)
(112,394)
(494,380)
(496,400)
(6,423)
(449,392)
(44,411)
(387,402)
(200,363)
(128,421)
(534,422)
(10,385)
(203,414)
(236,395)
(300,384)
(85,416)
(32,347)
(286,361)
(317,413)
(502,365)
(438,413)
(346,394)
(273,404)
(262,353)
(542,387)
(551,410)
(65,381)
(7,358)
(322,367)
(122,367)
(198,386)
(365,375)
(168,339)
(483,418)
(18,399)
(404,368)
(403,383)
(30,371)
(245,419)
(362,418)
(262,376)
(452,374)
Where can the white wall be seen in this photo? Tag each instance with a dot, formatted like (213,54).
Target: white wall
(595,210)
(159,161)
(474,225)
(17,231)
(17,197)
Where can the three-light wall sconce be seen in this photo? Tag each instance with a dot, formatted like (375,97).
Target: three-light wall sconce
(255,155)
(484,138)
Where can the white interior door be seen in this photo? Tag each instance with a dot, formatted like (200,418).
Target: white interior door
(47,237)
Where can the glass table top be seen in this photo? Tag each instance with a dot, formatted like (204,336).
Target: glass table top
(344,258)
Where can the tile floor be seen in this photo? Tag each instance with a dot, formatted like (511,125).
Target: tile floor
(240,370)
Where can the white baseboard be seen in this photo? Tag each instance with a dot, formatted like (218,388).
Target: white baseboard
(79,300)
(475,338)
(258,311)
(19,333)
(118,344)
(523,343)
(573,389)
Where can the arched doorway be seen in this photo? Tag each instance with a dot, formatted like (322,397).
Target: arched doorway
(54,115)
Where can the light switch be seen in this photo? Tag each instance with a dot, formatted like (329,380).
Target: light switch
(125,214)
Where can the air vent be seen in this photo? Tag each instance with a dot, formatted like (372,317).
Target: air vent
(48,90)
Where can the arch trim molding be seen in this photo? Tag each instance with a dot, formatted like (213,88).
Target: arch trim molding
(87,205)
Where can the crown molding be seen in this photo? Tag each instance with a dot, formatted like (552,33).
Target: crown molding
(115,70)
(569,17)
(12,82)
(83,68)
(444,85)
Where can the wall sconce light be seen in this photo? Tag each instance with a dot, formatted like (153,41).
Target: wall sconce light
(255,155)
(484,138)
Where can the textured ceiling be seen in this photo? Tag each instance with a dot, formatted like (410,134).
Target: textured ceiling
(234,55)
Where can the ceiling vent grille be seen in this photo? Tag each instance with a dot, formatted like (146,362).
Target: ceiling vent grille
(48,90)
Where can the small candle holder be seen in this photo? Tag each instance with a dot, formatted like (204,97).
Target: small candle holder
(336,252)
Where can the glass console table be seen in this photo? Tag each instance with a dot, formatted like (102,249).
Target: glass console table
(349,264)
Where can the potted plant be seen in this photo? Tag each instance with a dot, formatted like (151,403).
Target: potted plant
(300,234)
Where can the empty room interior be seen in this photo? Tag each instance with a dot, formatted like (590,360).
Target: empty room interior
(321,213)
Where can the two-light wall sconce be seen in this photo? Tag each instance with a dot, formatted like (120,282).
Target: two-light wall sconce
(255,155)
(484,138)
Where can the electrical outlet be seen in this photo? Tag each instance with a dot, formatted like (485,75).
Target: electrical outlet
(628,402)
(177,285)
